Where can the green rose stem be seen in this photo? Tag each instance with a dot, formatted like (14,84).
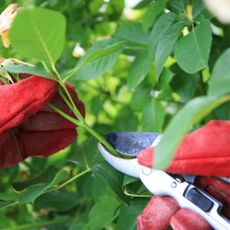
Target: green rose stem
(83,124)
(60,186)
(62,84)
(80,121)
(136,195)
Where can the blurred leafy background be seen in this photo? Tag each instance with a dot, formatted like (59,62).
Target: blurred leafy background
(146,71)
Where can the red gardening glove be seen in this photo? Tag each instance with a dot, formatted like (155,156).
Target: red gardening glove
(212,142)
(205,151)
(27,125)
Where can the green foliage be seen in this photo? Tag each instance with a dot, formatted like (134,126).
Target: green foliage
(39,34)
(26,69)
(54,201)
(166,44)
(161,66)
(197,43)
(159,28)
(220,79)
(152,12)
(184,84)
(139,69)
(133,34)
(97,218)
(153,117)
(98,60)
(129,213)
(111,177)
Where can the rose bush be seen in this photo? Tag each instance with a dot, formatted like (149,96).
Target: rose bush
(28,126)
(152,67)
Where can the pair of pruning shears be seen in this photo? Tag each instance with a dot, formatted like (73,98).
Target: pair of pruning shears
(181,187)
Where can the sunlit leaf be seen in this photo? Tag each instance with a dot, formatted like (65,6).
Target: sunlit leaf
(39,33)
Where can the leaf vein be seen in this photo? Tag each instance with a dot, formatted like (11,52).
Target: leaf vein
(42,42)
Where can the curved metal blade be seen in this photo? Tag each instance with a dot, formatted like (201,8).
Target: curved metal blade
(129,167)
(131,143)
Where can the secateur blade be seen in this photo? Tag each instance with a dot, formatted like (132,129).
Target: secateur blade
(127,143)
(131,143)
(129,167)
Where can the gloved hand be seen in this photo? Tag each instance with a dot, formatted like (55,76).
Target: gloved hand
(206,152)
(28,126)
